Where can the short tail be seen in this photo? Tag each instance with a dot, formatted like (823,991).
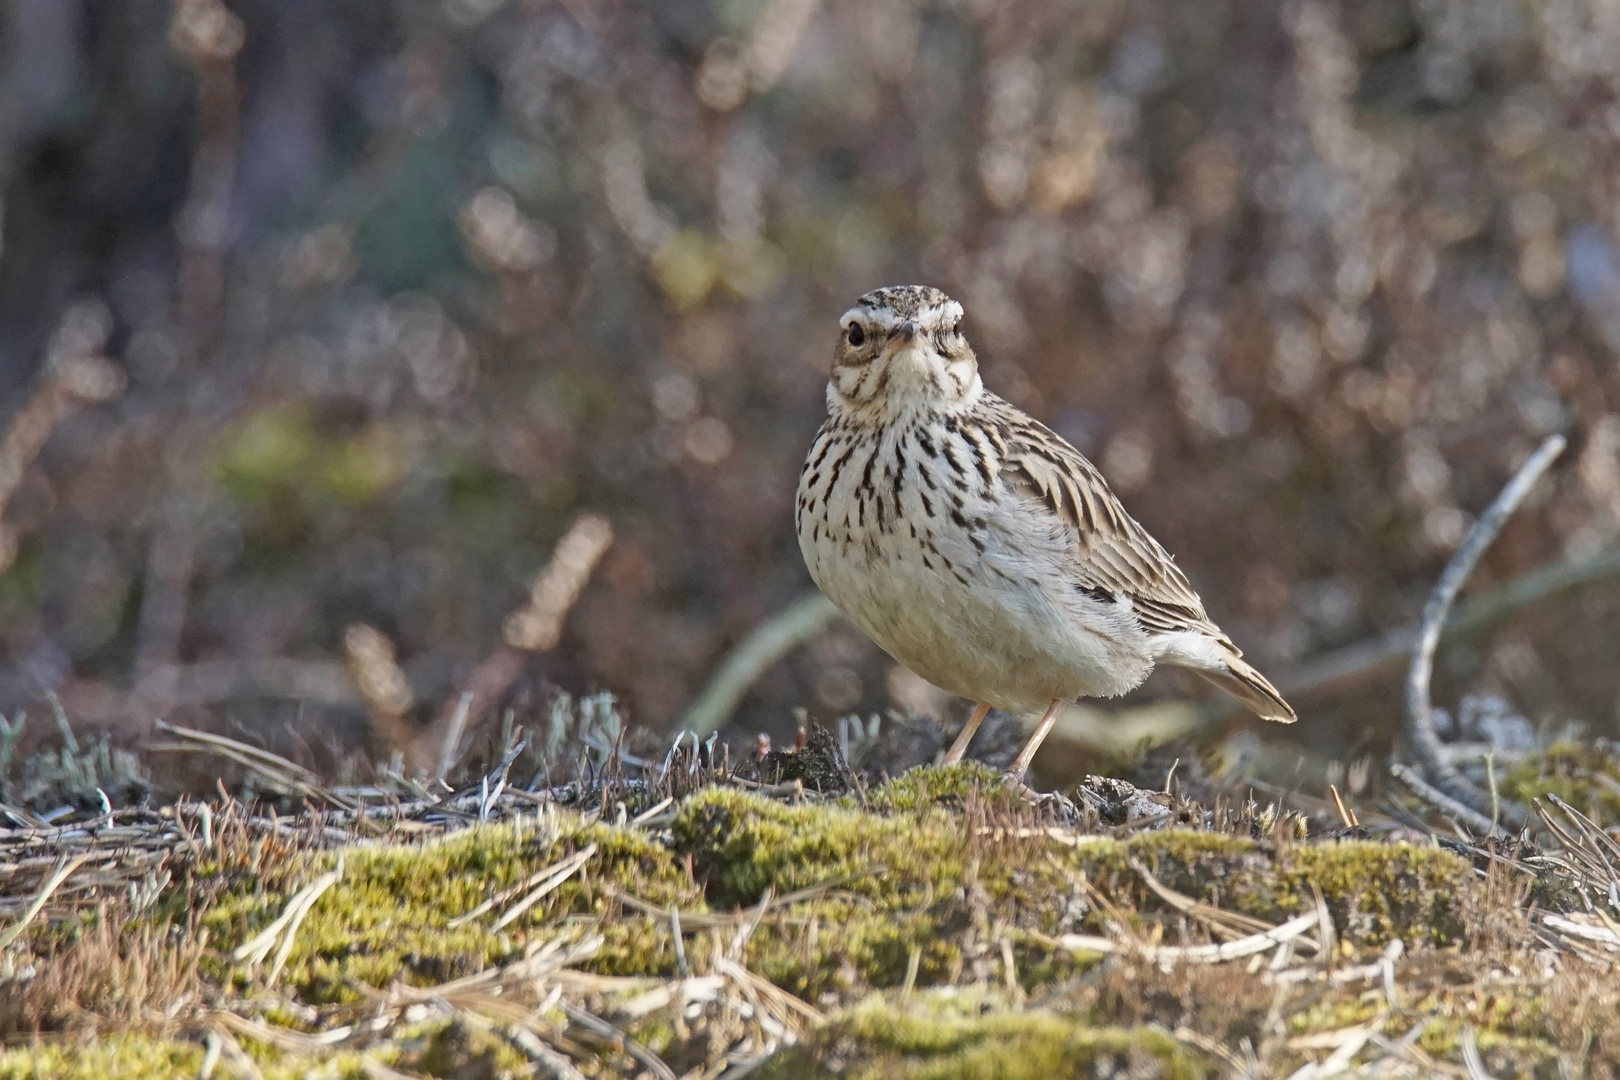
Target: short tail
(1221,663)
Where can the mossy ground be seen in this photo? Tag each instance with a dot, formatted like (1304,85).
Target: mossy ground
(1586,777)
(920,917)
(946,1036)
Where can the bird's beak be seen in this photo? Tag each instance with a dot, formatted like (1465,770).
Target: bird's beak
(908,347)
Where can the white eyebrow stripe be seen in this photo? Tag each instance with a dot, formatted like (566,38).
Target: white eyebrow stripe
(880,317)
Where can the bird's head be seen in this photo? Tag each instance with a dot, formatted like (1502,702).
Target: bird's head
(901,349)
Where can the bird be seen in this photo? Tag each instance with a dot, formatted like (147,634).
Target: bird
(976,546)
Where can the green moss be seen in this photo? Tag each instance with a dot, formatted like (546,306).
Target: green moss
(1586,777)
(132,1056)
(438,1048)
(855,896)
(928,882)
(453,1049)
(949,787)
(1374,891)
(880,887)
(743,844)
(969,1037)
(388,917)
(1380,891)
(942,869)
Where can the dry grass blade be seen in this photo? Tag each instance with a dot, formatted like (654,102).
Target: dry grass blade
(245,751)
(1326,935)
(281,773)
(548,959)
(1471,1059)
(1234,950)
(376,1070)
(561,874)
(285,926)
(1586,851)
(63,871)
(1197,954)
(653,811)
(452,735)
(702,988)
(1231,924)
(786,1004)
(539,877)
(1345,815)
(770,641)
(542,1055)
(1602,843)
(296,1042)
(1602,933)
(619,1040)
(241,1063)
(1345,1043)
(1209,1046)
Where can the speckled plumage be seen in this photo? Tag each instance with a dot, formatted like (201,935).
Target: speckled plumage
(974,544)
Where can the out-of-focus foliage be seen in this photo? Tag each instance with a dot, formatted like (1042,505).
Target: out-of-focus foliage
(403,286)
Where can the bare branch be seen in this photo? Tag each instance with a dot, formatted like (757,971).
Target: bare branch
(1421,735)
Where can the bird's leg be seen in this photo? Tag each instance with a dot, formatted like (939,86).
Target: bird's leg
(1020,765)
(959,747)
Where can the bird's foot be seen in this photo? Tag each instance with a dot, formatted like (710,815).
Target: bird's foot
(1015,780)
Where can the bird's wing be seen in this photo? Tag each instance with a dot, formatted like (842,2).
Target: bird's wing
(1112,551)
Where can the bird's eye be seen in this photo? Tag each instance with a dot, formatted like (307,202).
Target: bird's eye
(856,336)
(956,327)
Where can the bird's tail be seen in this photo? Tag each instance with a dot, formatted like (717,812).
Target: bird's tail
(1227,669)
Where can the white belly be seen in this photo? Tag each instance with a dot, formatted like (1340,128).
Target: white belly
(1002,625)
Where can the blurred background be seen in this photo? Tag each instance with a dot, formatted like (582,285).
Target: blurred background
(321,321)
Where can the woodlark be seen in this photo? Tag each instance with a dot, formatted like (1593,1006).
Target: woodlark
(978,548)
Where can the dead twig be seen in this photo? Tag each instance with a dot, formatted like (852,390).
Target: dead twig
(74,372)
(1476,822)
(537,626)
(376,673)
(1424,741)
(1353,667)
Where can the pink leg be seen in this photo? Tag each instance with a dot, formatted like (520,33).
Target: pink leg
(959,747)
(1027,754)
